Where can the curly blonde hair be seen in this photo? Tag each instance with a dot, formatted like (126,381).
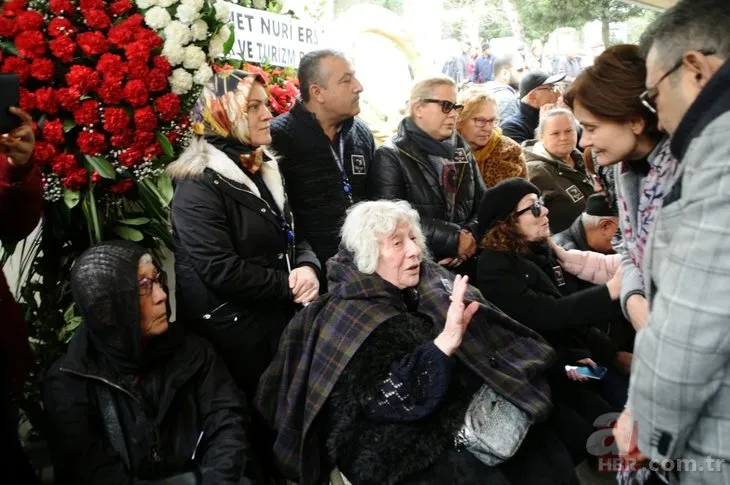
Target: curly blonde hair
(473,100)
(505,237)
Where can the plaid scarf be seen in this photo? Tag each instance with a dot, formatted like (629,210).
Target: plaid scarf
(319,342)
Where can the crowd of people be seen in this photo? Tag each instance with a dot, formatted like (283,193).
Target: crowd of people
(460,305)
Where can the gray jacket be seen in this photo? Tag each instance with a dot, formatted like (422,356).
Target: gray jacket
(680,381)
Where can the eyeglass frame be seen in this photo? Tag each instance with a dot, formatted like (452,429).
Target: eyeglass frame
(160,278)
(555,88)
(446,106)
(648,97)
(484,121)
(535,208)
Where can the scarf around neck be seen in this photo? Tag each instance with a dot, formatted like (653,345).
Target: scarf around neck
(428,144)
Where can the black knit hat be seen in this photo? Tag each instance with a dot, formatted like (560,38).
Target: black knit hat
(500,201)
(597,205)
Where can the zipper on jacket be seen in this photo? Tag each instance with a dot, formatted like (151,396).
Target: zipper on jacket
(100,379)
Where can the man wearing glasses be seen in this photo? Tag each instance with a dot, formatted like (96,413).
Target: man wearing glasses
(537,89)
(680,383)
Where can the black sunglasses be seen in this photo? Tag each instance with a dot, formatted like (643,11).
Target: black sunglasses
(446,106)
(535,208)
(648,97)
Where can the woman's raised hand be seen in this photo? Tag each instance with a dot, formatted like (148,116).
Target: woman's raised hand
(458,317)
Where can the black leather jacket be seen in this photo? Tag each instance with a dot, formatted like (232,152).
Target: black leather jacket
(402,171)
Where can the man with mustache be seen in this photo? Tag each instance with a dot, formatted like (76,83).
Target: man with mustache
(324,152)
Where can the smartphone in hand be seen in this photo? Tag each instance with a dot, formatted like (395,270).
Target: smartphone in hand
(9,96)
(597,372)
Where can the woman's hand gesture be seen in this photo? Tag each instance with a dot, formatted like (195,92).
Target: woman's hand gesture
(457,318)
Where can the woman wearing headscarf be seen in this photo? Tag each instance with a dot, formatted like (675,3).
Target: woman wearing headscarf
(240,274)
(135,400)
(378,376)
(429,165)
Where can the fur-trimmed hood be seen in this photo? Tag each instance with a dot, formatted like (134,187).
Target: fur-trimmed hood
(200,155)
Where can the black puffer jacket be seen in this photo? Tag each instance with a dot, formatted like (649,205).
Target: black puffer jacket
(230,249)
(402,171)
(313,179)
(105,428)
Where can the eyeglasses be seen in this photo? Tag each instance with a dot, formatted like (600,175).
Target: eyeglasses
(147,284)
(535,208)
(648,97)
(553,87)
(446,106)
(480,122)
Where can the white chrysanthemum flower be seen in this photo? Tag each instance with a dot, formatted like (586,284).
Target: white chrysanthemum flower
(174,53)
(259,4)
(145,4)
(177,33)
(157,18)
(165,3)
(215,48)
(203,74)
(187,14)
(194,57)
(181,81)
(199,29)
(196,4)
(222,12)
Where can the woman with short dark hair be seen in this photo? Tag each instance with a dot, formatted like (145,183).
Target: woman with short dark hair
(623,135)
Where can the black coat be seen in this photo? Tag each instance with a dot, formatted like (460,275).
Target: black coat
(521,127)
(313,180)
(528,290)
(231,251)
(402,171)
(108,429)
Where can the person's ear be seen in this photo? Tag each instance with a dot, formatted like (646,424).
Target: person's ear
(638,125)
(316,92)
(700,67)
(607,226)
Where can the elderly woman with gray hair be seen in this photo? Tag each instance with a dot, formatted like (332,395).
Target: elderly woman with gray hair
(430,165)
(557,168)
(380,376)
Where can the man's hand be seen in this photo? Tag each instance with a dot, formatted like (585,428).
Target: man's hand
(467,245)
(638,309)
(18,144)
(626,434)
(304,284)
(457,318)
(576,376)
(623,361)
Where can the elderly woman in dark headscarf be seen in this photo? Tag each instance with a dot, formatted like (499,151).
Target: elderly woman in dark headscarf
(135,400)
(376,376)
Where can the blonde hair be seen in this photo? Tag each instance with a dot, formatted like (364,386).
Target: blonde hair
(367,223)
(554,113)
(423,89)
(473,100)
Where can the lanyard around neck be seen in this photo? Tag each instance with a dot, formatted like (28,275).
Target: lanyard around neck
(339,158)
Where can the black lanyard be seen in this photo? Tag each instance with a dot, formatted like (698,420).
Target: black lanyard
(346,186)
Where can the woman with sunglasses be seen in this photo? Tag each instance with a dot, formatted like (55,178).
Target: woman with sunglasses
(621,129)
(135,399)
(519,273)
(429,165)
(557,168)
(497,156)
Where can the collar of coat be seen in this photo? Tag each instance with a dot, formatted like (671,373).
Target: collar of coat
(300,113)
(200,155)
(535,151)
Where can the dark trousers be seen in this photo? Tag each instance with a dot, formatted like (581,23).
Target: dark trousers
(13,462)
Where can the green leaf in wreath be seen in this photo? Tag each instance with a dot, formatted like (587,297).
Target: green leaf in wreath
(102,166)
(164,186)
(137,221)
(68,125)
(128,233)
(165,143)
(9,47)
(71,198)
(229,43)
